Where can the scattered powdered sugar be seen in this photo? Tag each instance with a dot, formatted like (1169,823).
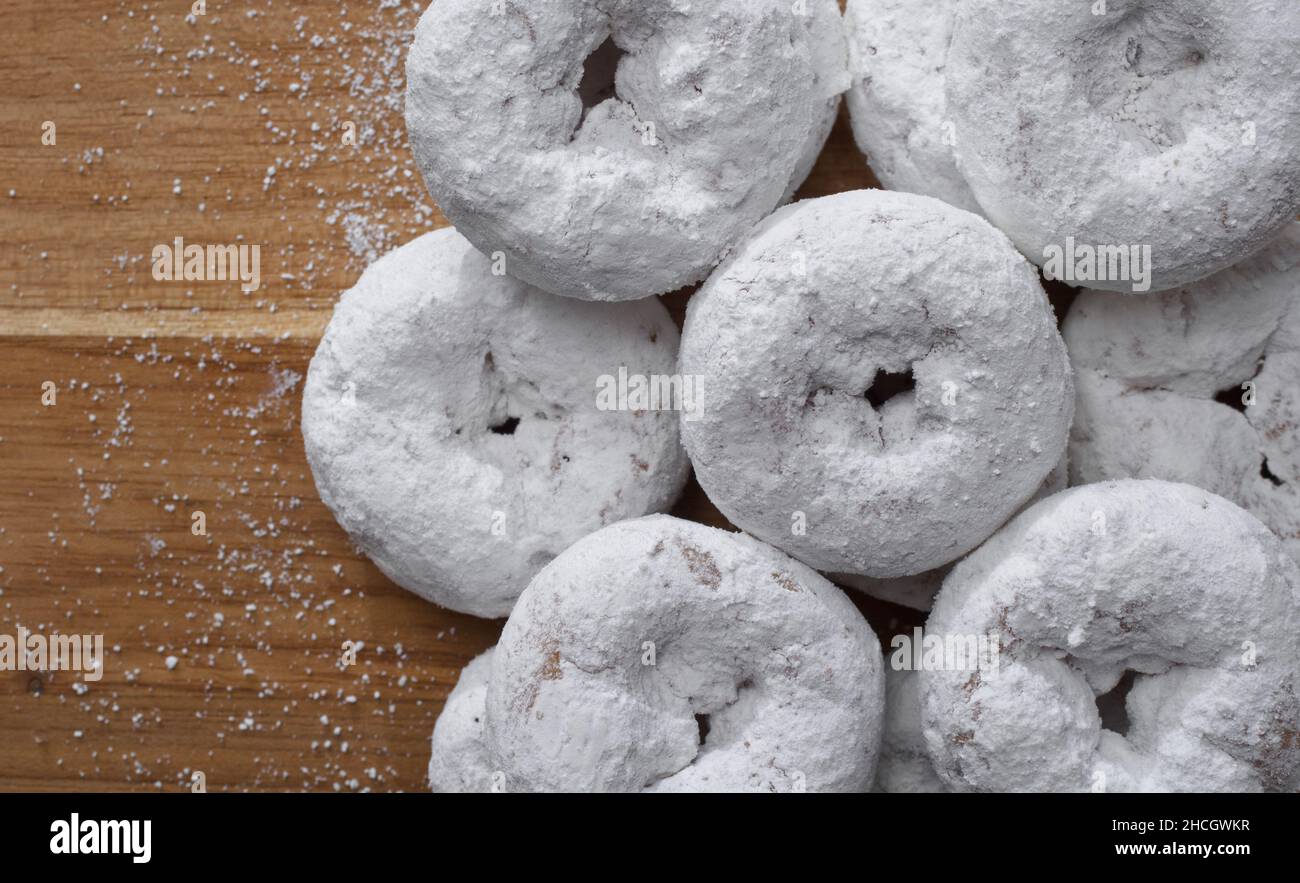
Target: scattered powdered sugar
(332,94)
(154,430)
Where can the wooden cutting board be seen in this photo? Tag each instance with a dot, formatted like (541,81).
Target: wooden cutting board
(176,398)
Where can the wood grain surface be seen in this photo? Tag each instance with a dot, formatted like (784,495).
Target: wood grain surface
(175,398)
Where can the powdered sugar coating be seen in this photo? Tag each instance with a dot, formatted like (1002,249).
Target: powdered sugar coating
(458,762)
(423,359)
(788,335)
(594,203)
(904,766)
(784,667)
(918,590)
(1148,371)
(898,52)
(1166,580)
(1168,123)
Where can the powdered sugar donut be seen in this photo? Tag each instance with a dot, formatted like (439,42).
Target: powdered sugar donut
(663,655)
(459,761)
(1186,591)
(1172,125)
(452,424)
(826,297)
(918,591)
(904,766)
(898,52)
(1153,375)
(697,136)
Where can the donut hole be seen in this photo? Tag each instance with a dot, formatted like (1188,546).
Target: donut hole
(702,723)
(506,426)
(886,409)
(723,712)
(499,420)
(1265,472)
(723,723)
(512,399)
(1112,706)
(736,706)
(599,77)
(1150,68)
(888,385)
